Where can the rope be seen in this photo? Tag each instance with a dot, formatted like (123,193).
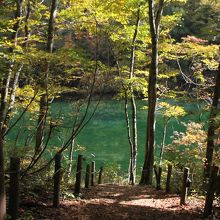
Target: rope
(83,171)
(11,172)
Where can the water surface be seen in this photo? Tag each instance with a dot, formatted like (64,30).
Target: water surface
(105,136)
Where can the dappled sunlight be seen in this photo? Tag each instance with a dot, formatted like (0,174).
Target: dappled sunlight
(138,202)
(105,201)
(117,202)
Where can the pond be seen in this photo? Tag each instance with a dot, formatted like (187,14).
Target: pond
(104,138)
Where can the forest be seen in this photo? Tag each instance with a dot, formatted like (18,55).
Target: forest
(109,109)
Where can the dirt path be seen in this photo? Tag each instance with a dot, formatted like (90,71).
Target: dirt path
(114,202)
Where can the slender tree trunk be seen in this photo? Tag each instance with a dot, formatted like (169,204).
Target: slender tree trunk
(3,112)
(71,157)
(154,19)
(12,95)
(163,141)
(212,126)
(4,109)
(2,179)
(130,176)
(17,74)
(41,123)
(14,87)
(133,141)
(26,27)
(44,81)
(135,144)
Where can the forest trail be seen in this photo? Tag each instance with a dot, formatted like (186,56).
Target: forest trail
(117,202)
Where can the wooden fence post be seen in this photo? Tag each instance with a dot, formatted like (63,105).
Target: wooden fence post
(159,178)
(210,192)
(184,186)
(57,180)
(100,175)
(78,175)
(158,173)
(14,188)
(87,178)
(93,173)
(169,173)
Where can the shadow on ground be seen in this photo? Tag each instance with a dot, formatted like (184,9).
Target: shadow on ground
(113,202)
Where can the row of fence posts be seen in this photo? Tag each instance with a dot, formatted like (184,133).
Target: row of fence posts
(89,177)
(185,183)
(212,187)
(89,180)
(14,182)
(158,173)
(14,188)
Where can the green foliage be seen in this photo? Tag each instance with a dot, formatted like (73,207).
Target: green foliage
(170,111)
(113,173)
(188,149)
(25,95)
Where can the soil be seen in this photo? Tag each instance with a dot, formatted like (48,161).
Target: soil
(117,202)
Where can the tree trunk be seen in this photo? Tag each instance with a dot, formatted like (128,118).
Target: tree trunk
(154,19)
(212,127)
(134,146)
(26,27)
(14,87)
(41,123)
(133,142)
(71,157)
(44,82)
(17,73)
(4,109)
(163,142)
(2,181)
(130,172)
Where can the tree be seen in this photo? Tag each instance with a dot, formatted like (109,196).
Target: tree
(154,20)
(127,33)
(66,65)
(44,80)
(5,94)
(200,19)
(133,140)
(168,111)
(188,148)
(213,125)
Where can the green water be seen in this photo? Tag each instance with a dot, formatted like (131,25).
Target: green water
(105,137)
